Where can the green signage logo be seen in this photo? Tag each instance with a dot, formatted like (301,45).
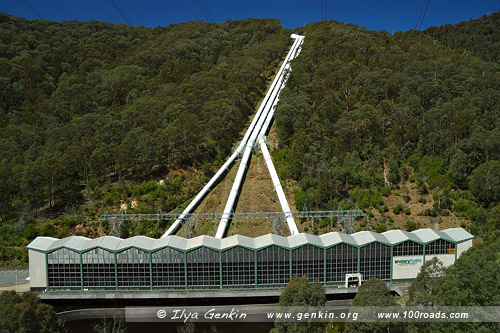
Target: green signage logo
(408,261)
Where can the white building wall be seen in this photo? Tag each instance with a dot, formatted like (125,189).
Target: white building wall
(446,259)
(406,267)
(38,269)
(464,246)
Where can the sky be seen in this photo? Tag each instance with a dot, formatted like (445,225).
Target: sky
(388,15)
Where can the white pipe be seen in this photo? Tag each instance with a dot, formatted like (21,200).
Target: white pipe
(277,187)
(225,167)
(270,166)
(272,93)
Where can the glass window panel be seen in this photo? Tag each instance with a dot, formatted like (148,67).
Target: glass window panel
(133,269)
(273,265)
(440,246)
(168,268)
(341,259)
(203,268)
(98,269)
(64,269)
(238,267)
(308,260)
(375,261)
(408,248)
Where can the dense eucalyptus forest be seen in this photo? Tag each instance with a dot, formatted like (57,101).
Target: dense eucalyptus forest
(95,114)
(366,114)
(87,110)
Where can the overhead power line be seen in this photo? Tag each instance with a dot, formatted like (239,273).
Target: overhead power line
(419,26)
(420,14)
(322,15)
(425,12)
(324,11)
(205,11)
(33,9)
(122,14)
(208,10)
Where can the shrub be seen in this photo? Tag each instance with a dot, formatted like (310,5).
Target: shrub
(385,191)
(48,230)
(407,211)
(429,212)
(412,225)
(380,228)
(29,232)
(396,210)
(461,206)
(383,209)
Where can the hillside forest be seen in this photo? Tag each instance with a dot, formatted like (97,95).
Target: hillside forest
(94,115)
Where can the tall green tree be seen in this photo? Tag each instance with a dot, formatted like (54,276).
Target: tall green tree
(301,292)
(424,289)
(26,313)
(373,292)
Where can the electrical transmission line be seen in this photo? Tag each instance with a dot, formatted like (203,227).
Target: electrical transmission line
(122,14)
(324,12)
(205,11)
(322,15)
(420,14)
(33,9)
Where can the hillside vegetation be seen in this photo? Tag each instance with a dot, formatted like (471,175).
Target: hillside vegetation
(94,115)
(367,118)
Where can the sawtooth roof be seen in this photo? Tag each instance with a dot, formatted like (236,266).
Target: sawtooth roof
(115,244)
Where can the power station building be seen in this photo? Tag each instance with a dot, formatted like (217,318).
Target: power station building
(205,262)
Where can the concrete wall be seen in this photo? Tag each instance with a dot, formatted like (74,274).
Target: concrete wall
(463,247)
(38,269)
(406,267)
(446,259)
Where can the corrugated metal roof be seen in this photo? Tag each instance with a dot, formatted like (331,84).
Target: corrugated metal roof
(177,242)
(76,242)
(426,235)
(236,240)
(203,240)
(110,242)
(398,236)
(59,243)
(457,234)
(365,237)
(302,239)
(270,239)
(41,243)
(361,238)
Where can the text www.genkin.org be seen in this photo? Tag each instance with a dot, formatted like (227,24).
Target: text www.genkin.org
(315,315)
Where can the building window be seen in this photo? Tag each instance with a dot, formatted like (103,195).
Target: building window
(168,268)
(341,259)
(98,269)
(64,269)
(273,265)
(203,268)
(440,246)
(238,267)
(375,261)
(408,248)
(308,260)
(133,269)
